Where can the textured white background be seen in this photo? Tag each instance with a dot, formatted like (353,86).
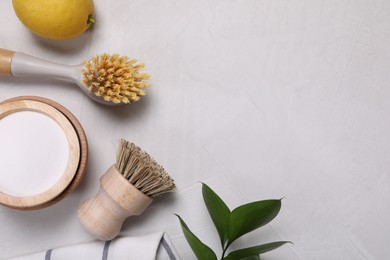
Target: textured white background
(284,98)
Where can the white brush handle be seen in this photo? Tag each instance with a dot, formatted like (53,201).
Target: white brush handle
(18,64)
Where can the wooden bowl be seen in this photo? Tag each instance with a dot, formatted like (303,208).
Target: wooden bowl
(77,146)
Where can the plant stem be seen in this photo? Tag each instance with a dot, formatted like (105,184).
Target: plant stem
(91,19)
(224,252)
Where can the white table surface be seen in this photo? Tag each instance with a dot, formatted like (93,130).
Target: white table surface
(279,98)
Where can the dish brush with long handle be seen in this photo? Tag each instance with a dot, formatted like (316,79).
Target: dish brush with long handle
(107,79)
(126,189)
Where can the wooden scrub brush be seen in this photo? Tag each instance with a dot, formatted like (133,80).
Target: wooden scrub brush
(107,79)
(126,189)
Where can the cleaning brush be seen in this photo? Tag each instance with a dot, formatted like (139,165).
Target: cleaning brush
(108,79)
(142,171)
(126,189)
(114,78)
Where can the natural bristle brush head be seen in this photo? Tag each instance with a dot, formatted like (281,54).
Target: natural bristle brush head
(126,189)
(142,171)
(115,78)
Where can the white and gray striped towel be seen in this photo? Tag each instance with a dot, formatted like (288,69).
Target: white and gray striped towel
(149,247)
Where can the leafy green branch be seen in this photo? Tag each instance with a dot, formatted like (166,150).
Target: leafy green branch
(231,225)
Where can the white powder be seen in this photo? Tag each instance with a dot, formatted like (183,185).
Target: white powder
(34,153)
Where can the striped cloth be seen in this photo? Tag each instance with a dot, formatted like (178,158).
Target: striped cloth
(150,247)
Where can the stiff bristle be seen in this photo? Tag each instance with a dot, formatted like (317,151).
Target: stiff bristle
(142,170)
(114,78)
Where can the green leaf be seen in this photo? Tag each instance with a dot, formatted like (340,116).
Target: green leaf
(219,212)
(201,250)
(255,250)
(254,257)
(251,216)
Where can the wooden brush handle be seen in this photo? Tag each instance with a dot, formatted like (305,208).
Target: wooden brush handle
(5,62)
(117,199)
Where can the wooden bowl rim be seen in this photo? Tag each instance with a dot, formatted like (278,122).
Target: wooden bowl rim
(14,106)
(83,152)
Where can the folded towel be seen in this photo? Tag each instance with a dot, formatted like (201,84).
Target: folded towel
(149,247)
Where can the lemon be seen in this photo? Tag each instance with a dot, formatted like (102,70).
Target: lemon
(55,19)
